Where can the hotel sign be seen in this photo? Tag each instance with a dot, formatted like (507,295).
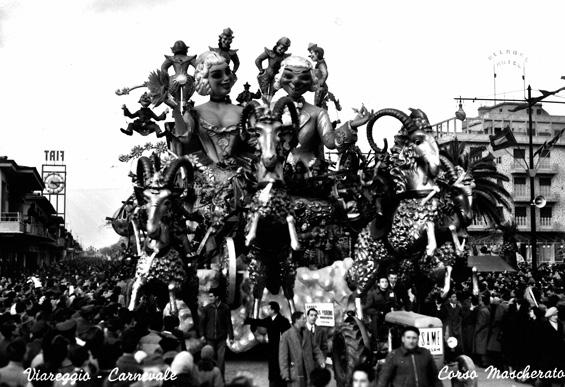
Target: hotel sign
(513,58)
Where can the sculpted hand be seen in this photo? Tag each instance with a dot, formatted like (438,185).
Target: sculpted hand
(363,116)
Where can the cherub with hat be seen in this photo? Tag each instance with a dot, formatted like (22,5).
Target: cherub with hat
(247,96)
(181,84)
(224,48)
(144,123)
(274,59)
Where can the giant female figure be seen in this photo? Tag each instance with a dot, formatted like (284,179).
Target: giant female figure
(213,126)
(297,77)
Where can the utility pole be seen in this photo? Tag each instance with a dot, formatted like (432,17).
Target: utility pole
(532,174)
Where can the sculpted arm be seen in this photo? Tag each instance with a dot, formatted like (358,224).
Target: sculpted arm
(323,73)
(235,60)
(166,64)
(260,59)
(326,130)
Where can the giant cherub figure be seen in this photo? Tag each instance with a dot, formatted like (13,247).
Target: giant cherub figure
(274,59)
(144,123)
(182,84)
(224,48)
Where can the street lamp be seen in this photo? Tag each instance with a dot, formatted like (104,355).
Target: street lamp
(460,114)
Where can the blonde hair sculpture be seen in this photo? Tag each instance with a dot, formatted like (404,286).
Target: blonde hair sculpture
(300,62)
(204,63)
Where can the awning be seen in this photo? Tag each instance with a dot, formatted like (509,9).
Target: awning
(489,263)
(495,237)
(542,237)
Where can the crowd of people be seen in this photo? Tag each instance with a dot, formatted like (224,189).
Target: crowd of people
(507,320)
(70,324)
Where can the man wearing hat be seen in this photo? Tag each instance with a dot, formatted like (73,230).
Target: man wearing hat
(274,59)
(551,343)
(247,96)
(67,329)
(224,48)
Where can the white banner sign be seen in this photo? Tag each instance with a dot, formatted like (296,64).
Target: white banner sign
(326,317)
(432,339)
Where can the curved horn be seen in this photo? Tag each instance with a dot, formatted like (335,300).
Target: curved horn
(399,115)
(172,170)
(144,170)
(249,110)
(278,110)
(449,168)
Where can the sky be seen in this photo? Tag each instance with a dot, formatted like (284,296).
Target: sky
(61,61)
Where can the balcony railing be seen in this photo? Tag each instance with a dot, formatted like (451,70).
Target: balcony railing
(11,222)
(521,190)
(545,222)
(15,222)
(521,220)
(545,190)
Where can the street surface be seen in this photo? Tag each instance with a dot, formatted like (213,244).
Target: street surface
(255,364)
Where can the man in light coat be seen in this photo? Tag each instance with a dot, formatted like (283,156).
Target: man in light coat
(298,355)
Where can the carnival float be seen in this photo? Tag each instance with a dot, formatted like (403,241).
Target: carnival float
(242,196)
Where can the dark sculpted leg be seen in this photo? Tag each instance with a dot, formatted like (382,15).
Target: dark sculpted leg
(288,277)
(257,277)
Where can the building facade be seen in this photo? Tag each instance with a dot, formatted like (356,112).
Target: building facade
(31,233)
(549,180)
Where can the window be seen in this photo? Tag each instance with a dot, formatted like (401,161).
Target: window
(545,216)
(544,161)
(520,215)
(476,153)
(545,186)
(519,153)
(519,157)
(538,111)
(520,186)
(498,160)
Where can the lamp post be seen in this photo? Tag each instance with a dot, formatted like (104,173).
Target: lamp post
(532,174)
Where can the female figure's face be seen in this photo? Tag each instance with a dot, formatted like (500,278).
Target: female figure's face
(296,81)
(220,79)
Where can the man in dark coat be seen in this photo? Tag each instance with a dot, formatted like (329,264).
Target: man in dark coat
(469,313)
(482,328)
(319,334)
(216,326)
(409,365)
(276,325)
(398,292)
(451,314)
(551,342)
(377,305)
(298,356)
(494,347)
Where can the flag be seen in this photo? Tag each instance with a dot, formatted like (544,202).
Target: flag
(504,139)
(548,144)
